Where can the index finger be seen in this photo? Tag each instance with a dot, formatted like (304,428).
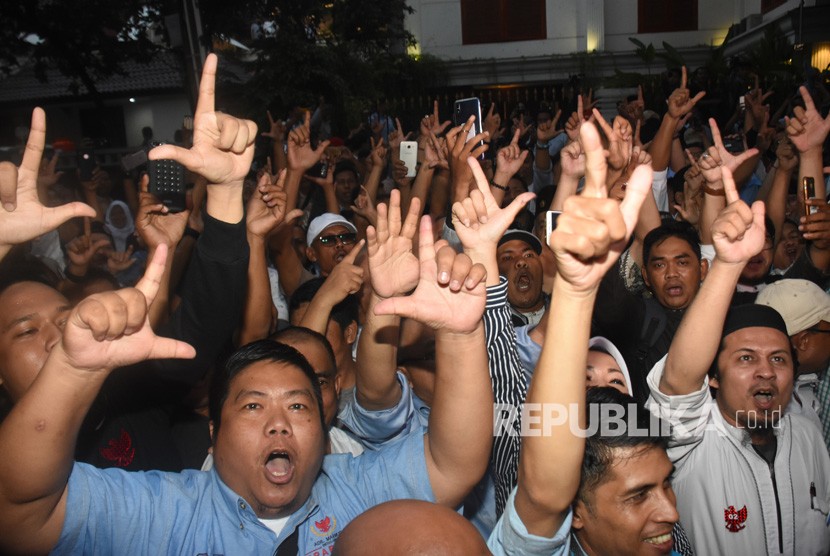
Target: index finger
(270,117)
(87,227)
(640,92)
(515,140)
(609,132)
(595,164)
(34,145)
(400,129)
(480,179)
(350,258)
(426,245)
(808,100)
(492,107)
(729,186)
(683,77)
(435,110)
(149,283)
(580,108)
(206,103)
(715,133)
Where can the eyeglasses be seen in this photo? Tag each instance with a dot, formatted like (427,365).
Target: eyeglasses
(345,239)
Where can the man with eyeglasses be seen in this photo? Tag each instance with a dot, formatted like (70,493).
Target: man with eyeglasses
(330,237)
(806,311)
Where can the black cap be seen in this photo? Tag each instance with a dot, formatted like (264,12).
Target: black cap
(522,235)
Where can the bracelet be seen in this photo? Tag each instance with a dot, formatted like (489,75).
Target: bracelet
(542,145)
(715,192)
(497,186)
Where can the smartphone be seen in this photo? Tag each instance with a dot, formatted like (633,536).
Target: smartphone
(86,164)
(734,144)
(742,102)
(167,182)
(551,217)
(464,108)
(808,188)
(320,170)
(409,155)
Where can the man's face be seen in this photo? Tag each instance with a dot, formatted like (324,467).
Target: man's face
(270,445)
(519,262)
(603,370)
(345,184)
(633,511)
(788,248)
(328,250)
(32,317)
(326,371)
(758,266)
(755,381)
(814,351)
(673,273)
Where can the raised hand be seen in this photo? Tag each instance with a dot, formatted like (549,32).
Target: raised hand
(680,101)
(738,231)
(479,221)
(82,249)
(620,140)
(431,123)
(806,129)
(365,208)
(345,278)
(110,330)
(460,149)
(119,261)
(266,207)
(48,177)
(592,230)
(573,161)
(816,227)
(23,217)
(379,152)
(492,123)
(786,156)
(450,294)
(223,146)
(276,129)
(547,130)
(397,137)
(300,155)
(155,223)
(728,159)
(509,160)
(436,152)
(393,266)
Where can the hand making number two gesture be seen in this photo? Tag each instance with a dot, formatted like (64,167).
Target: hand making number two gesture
(23,217)
(223,146)
(592,230)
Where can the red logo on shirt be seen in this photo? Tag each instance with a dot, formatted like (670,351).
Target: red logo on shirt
(120,451)
(734,518)
(324,526)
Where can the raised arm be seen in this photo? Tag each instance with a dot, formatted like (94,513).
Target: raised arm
(103,332)
(265,212)
(23,217)
(394,271)
(680,103)
(808,130)
(450,299)
(345,279)
(738,235)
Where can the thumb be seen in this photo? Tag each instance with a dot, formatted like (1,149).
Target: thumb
(399,306)
(293,215)
(510,212)
(167,348)
(639,185)
(56,216)
(185,157)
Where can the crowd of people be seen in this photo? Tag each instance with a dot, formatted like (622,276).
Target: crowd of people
(563,335)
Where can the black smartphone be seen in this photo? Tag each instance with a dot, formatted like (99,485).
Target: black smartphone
(167,182)
(463,109)
(320,170)
(86,164)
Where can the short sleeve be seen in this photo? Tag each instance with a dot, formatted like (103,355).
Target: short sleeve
(510,536)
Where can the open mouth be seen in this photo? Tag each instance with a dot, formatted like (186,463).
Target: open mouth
(279,466)
(674,290)
(764,398)
(661,542)
(523,282)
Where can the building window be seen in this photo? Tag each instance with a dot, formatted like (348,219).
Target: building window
(484,21)
(769,5)
(662,16)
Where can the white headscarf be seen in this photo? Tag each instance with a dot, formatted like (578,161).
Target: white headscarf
(119,235)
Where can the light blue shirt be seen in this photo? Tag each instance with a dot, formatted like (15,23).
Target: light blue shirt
(510,536)
(111,511)
(529,351)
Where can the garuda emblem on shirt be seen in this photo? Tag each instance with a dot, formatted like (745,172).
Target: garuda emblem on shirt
(734,518)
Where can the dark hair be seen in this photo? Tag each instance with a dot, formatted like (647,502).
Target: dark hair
(244,357)
(344,313)
(27,268)
(601,446)
(680,230)
(297,334)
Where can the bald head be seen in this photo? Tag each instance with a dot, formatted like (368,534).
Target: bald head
(410,528)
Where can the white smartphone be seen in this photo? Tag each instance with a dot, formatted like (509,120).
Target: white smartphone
(409,155)
(551,217)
